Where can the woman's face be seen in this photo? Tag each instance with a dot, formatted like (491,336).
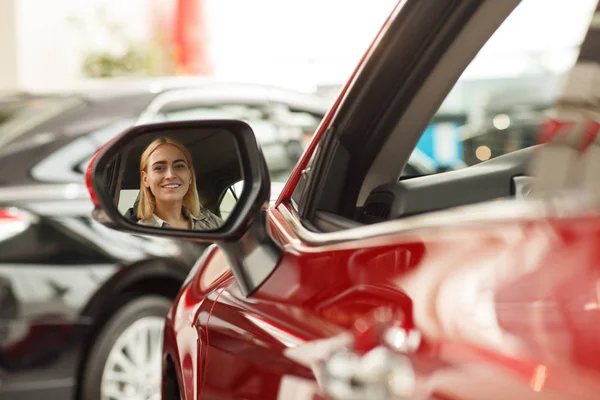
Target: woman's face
(167,174)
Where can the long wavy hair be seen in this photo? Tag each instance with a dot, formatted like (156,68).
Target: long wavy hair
(147,204)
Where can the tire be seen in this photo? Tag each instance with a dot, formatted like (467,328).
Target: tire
(105,371)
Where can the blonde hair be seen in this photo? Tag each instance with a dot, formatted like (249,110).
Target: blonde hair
(191,201)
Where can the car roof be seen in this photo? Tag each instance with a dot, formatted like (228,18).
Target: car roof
(99,90)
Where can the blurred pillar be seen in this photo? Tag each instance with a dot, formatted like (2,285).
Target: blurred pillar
(9,62)
(582,88)
(190,38)
(590,48)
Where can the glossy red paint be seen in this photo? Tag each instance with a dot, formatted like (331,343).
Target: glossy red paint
(88,180)
(539,292)
(187,322)
(542,292)
(88,173)
(12,215)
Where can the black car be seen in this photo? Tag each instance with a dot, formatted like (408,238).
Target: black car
(80,302)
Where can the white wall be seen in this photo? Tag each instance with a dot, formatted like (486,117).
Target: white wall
(289,43)
(8,46)
(298,44)
(50,48)
(546,32)
(45,43)
(292,43)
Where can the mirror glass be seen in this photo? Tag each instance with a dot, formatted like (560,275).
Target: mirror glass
(180,178)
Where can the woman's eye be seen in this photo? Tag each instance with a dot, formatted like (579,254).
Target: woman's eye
(157,168)
(179,166)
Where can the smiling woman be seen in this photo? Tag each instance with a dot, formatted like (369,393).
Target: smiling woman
(168,193)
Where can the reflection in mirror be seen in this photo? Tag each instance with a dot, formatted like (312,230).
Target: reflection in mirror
(230,198)
(177,179)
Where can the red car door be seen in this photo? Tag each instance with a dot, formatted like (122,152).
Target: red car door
(309,297)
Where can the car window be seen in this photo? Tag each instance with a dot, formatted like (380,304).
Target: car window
(99,138)
(22,113)
(230,199)
(127,198)
(69,163)
(499,101)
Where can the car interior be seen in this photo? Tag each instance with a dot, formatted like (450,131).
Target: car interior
(361,163)
(505,176)
(489,180)
(215,159)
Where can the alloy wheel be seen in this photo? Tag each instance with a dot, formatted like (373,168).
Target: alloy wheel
(133,367)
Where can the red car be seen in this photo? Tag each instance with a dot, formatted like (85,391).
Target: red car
(355,283)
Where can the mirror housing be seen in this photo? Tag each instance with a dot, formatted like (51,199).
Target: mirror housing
(243,236)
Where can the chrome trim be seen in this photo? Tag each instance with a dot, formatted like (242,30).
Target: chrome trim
(523,186)
(379,374)
(402,340)
(568,204)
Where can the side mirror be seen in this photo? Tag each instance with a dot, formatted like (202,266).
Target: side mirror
(200,180)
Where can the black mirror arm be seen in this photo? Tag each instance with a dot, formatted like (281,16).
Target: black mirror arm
(254,256)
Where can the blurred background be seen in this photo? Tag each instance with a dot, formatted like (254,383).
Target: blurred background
(75,295)
(48,45)
(310,47)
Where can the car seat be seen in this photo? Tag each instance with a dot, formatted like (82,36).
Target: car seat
(131,213)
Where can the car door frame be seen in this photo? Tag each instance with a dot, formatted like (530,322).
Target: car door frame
(398,126)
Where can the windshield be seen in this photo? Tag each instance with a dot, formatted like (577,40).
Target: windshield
(21,113)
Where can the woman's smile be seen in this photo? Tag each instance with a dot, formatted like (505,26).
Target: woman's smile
(171,186)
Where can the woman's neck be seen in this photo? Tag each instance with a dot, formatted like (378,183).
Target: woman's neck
(171,213)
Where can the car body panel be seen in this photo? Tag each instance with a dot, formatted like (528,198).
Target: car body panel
(255,345)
